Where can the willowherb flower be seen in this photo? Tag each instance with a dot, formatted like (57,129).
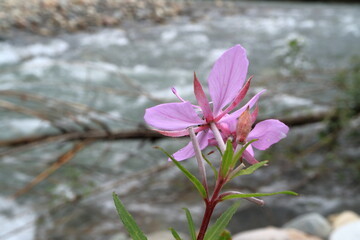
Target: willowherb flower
(226,88)
(265,133)
(215,123)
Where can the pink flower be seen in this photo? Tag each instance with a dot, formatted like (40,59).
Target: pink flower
(226,88)
(266,133)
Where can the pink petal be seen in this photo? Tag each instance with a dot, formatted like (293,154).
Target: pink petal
(181,133)
(202,100)
(227,77)
(250,150)
(188,151)
(172,116)
(233,116)
(236,100)
(226,128)
(255,113)
(249,157)
(268,132)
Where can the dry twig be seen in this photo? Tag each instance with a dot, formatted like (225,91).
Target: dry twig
(64,158)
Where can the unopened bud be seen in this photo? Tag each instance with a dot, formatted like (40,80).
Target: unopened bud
(243,126)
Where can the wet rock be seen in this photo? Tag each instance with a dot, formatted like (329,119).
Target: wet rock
(343,218)
(271,233)
(349,231)
(312,223)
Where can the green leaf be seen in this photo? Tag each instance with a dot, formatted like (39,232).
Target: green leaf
(213,233)
(227,158)
(212,166)
(198,185)
(128,221)
(225,235)
(175,234)
(219,150)
(247,195)
(191,224)
(238,155)
(250,169)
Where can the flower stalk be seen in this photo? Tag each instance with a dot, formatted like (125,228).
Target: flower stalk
(210,206)
(218,137)
(199,158)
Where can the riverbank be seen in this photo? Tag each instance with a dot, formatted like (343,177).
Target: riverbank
(51,17)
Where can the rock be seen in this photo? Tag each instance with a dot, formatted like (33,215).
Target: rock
(350,231)
(119,236)
(312,223)
(163,235)
(270,216)
(294,234)
(262,234)
(271,233)
(343,218)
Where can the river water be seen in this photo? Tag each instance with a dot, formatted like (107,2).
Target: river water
(294,50)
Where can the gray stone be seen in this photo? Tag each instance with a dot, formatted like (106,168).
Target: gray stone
(349,231)
(163,235)
(270,216)
(271,233)
(119,236)
(312,223)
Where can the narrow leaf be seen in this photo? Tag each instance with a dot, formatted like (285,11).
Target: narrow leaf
(214,232)
(128,221)
(211,166)
(238,154)
(175,234)
(191,224)
(247,195)
(227,159)
(219,150)
(250,169)
(198,185)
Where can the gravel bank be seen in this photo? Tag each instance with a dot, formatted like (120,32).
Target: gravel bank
(50,17)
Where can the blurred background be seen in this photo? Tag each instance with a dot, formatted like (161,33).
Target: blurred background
(77,75)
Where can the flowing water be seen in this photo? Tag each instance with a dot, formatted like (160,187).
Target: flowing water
(294,52)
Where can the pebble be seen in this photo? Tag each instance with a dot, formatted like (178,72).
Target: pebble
(272,233)
(343,218)
(350,231)
(311,223)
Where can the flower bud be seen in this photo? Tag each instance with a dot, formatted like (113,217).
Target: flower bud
(243,126)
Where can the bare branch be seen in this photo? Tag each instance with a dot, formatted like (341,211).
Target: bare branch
(64,158)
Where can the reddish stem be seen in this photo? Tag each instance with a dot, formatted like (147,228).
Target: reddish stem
(206,219)
(209,208)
